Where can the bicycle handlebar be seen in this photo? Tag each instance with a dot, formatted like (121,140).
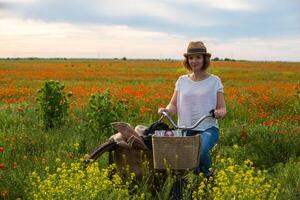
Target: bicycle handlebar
(165,114)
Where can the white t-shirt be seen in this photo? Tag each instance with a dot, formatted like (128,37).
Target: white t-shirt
(195,99)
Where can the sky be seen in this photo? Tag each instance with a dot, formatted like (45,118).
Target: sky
(265,30)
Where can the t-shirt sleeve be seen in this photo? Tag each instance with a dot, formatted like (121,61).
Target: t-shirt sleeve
(177,85)
(220,87)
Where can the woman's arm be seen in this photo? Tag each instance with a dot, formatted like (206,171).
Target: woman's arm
(172,106)
(220,111)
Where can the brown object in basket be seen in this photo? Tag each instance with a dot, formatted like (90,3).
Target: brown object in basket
(130,136)
(176,152)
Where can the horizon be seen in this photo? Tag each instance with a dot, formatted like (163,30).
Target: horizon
(129,58)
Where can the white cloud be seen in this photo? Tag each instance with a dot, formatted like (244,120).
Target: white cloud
(230,4)
(274,49)
(24,38)
(222,4)
(160,10)
(35,38)
(18,1)
(20,37)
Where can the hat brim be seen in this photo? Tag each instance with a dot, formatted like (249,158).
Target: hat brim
(195,53)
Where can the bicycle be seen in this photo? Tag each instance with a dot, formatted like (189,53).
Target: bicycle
(152,155)
(188,155)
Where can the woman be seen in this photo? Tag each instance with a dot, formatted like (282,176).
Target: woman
(195,95)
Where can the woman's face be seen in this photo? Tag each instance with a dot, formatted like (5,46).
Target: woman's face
(196,61)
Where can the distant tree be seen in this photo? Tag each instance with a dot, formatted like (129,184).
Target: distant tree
(229,59)
(216,59)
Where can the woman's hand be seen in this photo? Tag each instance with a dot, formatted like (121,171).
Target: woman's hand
(170,109)
(220,113)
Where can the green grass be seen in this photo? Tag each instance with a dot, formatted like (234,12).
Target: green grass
(275,148)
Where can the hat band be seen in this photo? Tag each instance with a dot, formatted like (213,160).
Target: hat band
(197,50)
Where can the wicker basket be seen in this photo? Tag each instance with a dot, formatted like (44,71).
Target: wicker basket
(135,159)
(176,152)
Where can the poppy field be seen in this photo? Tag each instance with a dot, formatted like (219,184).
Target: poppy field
(257,157)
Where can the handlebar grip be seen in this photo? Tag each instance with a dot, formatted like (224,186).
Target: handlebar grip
(212,112)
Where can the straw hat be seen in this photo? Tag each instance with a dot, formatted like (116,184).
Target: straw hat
(196,48)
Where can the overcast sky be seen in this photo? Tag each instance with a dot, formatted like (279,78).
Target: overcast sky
(239,29)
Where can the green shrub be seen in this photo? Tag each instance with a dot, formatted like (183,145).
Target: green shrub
(103,111)
(53,104)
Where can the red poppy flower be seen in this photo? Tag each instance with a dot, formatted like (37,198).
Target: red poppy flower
(20,109)
(14,166)
(5,194)
(71,155)
(2,166)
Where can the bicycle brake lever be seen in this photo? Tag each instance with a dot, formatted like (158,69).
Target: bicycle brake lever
(164,113)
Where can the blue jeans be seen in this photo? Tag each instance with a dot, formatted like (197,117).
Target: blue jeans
(209,139)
